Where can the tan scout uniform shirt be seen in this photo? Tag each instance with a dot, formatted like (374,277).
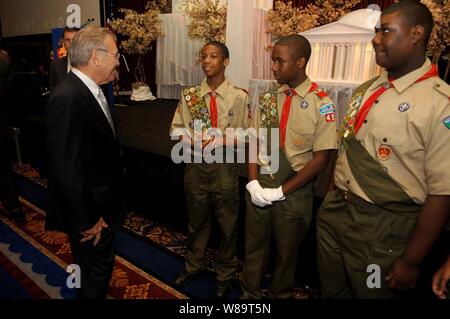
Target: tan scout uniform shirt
(307,130)
(408,133)
(232,108)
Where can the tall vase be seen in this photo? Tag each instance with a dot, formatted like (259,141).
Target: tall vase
(141,91)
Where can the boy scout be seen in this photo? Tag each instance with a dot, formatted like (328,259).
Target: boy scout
(392,175)
(281,203)
(219,105)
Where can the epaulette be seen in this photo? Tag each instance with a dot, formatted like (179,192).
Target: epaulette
(442,88)
(320,93)
(237,87)
(315,89)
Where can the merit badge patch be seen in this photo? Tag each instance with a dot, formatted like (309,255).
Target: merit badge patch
(327,109)
(304,104)
(330,117)
(446,122)
(384,152)
(404,107)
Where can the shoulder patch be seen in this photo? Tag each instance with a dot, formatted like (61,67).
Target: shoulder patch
(327,109)
(446,122)
(239,88)
(442,88)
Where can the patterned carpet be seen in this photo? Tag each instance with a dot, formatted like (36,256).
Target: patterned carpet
(21,257)
(128,280)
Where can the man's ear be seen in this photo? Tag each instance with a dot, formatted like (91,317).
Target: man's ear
(95,58)
(418,33)
(226,62)
(301,63)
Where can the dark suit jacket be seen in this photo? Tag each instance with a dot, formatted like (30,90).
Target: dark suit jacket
(86,175)
(57,72)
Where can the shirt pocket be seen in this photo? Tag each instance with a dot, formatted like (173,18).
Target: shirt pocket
(302,136)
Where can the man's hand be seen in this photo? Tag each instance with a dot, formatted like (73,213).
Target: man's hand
(94,232)
(256,193)
(402,275)
(440,280)
(273,194)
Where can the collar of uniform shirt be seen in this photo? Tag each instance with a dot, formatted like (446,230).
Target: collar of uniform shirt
(301,90)
(405,81)
(221,90)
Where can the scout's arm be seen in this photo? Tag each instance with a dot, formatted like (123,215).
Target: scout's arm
(430,223)
(441,279)
(324,145)
(316,165)
(333,158)
(436,208)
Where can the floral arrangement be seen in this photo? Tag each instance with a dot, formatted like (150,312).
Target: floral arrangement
(439,45)
(208,19)
(329,11)
(141,29)
(285,19)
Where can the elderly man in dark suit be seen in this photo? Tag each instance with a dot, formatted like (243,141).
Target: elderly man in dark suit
(86,176)
(59,68)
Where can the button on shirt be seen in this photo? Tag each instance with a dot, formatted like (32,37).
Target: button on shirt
(98,94)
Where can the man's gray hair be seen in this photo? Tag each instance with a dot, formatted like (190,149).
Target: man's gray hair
(85,42)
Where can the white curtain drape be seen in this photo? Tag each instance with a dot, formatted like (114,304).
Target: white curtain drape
(263,4)
(261,43)
(239,40)
(176,58)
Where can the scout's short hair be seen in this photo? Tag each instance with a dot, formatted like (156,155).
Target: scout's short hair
(300,45)
(413,13)
(222,47)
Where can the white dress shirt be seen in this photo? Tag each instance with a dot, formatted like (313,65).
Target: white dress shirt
(96,90)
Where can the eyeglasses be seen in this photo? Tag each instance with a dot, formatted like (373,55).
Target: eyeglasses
(116,55)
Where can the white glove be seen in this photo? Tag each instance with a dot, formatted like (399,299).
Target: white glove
(256,191)
(273,194)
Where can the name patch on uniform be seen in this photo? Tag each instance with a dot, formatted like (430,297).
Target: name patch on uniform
(446,122)
(404,107)
(327,109)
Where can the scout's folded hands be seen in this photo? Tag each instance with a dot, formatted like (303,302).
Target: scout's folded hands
(263,197)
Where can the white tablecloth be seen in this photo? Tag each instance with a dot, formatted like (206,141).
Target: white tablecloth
(340,93)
